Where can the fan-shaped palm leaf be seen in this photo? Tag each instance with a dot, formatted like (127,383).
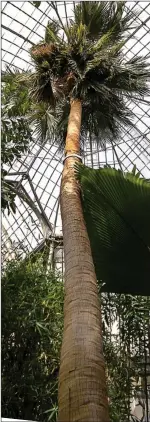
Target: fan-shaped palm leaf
(116,209)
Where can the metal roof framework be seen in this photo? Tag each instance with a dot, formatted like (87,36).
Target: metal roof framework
(38,173)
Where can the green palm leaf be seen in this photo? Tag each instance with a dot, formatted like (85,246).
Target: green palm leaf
(52,32)
(116,209)
(89,64)
(100,17)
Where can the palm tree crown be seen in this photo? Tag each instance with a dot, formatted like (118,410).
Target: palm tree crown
(88,63)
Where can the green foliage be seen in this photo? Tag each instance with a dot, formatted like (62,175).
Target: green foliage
(116,208)
(125,350)
(36,4)
(32,303)
(118,381)
(7,194)
(51,33)
(100,18)
(16,134)
(32,323)
(89,63)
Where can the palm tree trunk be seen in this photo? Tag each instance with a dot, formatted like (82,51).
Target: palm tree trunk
(82,384)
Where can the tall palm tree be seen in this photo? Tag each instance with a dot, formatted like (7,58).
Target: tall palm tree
(81,83)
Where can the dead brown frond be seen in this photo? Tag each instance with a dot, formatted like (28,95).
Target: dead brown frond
(42,51)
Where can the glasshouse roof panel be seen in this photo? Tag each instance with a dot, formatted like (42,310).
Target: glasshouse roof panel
(37,173)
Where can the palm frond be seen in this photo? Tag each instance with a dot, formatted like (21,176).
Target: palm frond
(51,32)
(38,119)
(50,124)
(90,65)
(101,17)
(105,115)
(131,77)
(93,15)
(116,211)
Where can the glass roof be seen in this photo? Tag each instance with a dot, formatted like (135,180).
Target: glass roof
(38,173)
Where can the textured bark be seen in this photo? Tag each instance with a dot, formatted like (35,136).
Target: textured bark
(82,384)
